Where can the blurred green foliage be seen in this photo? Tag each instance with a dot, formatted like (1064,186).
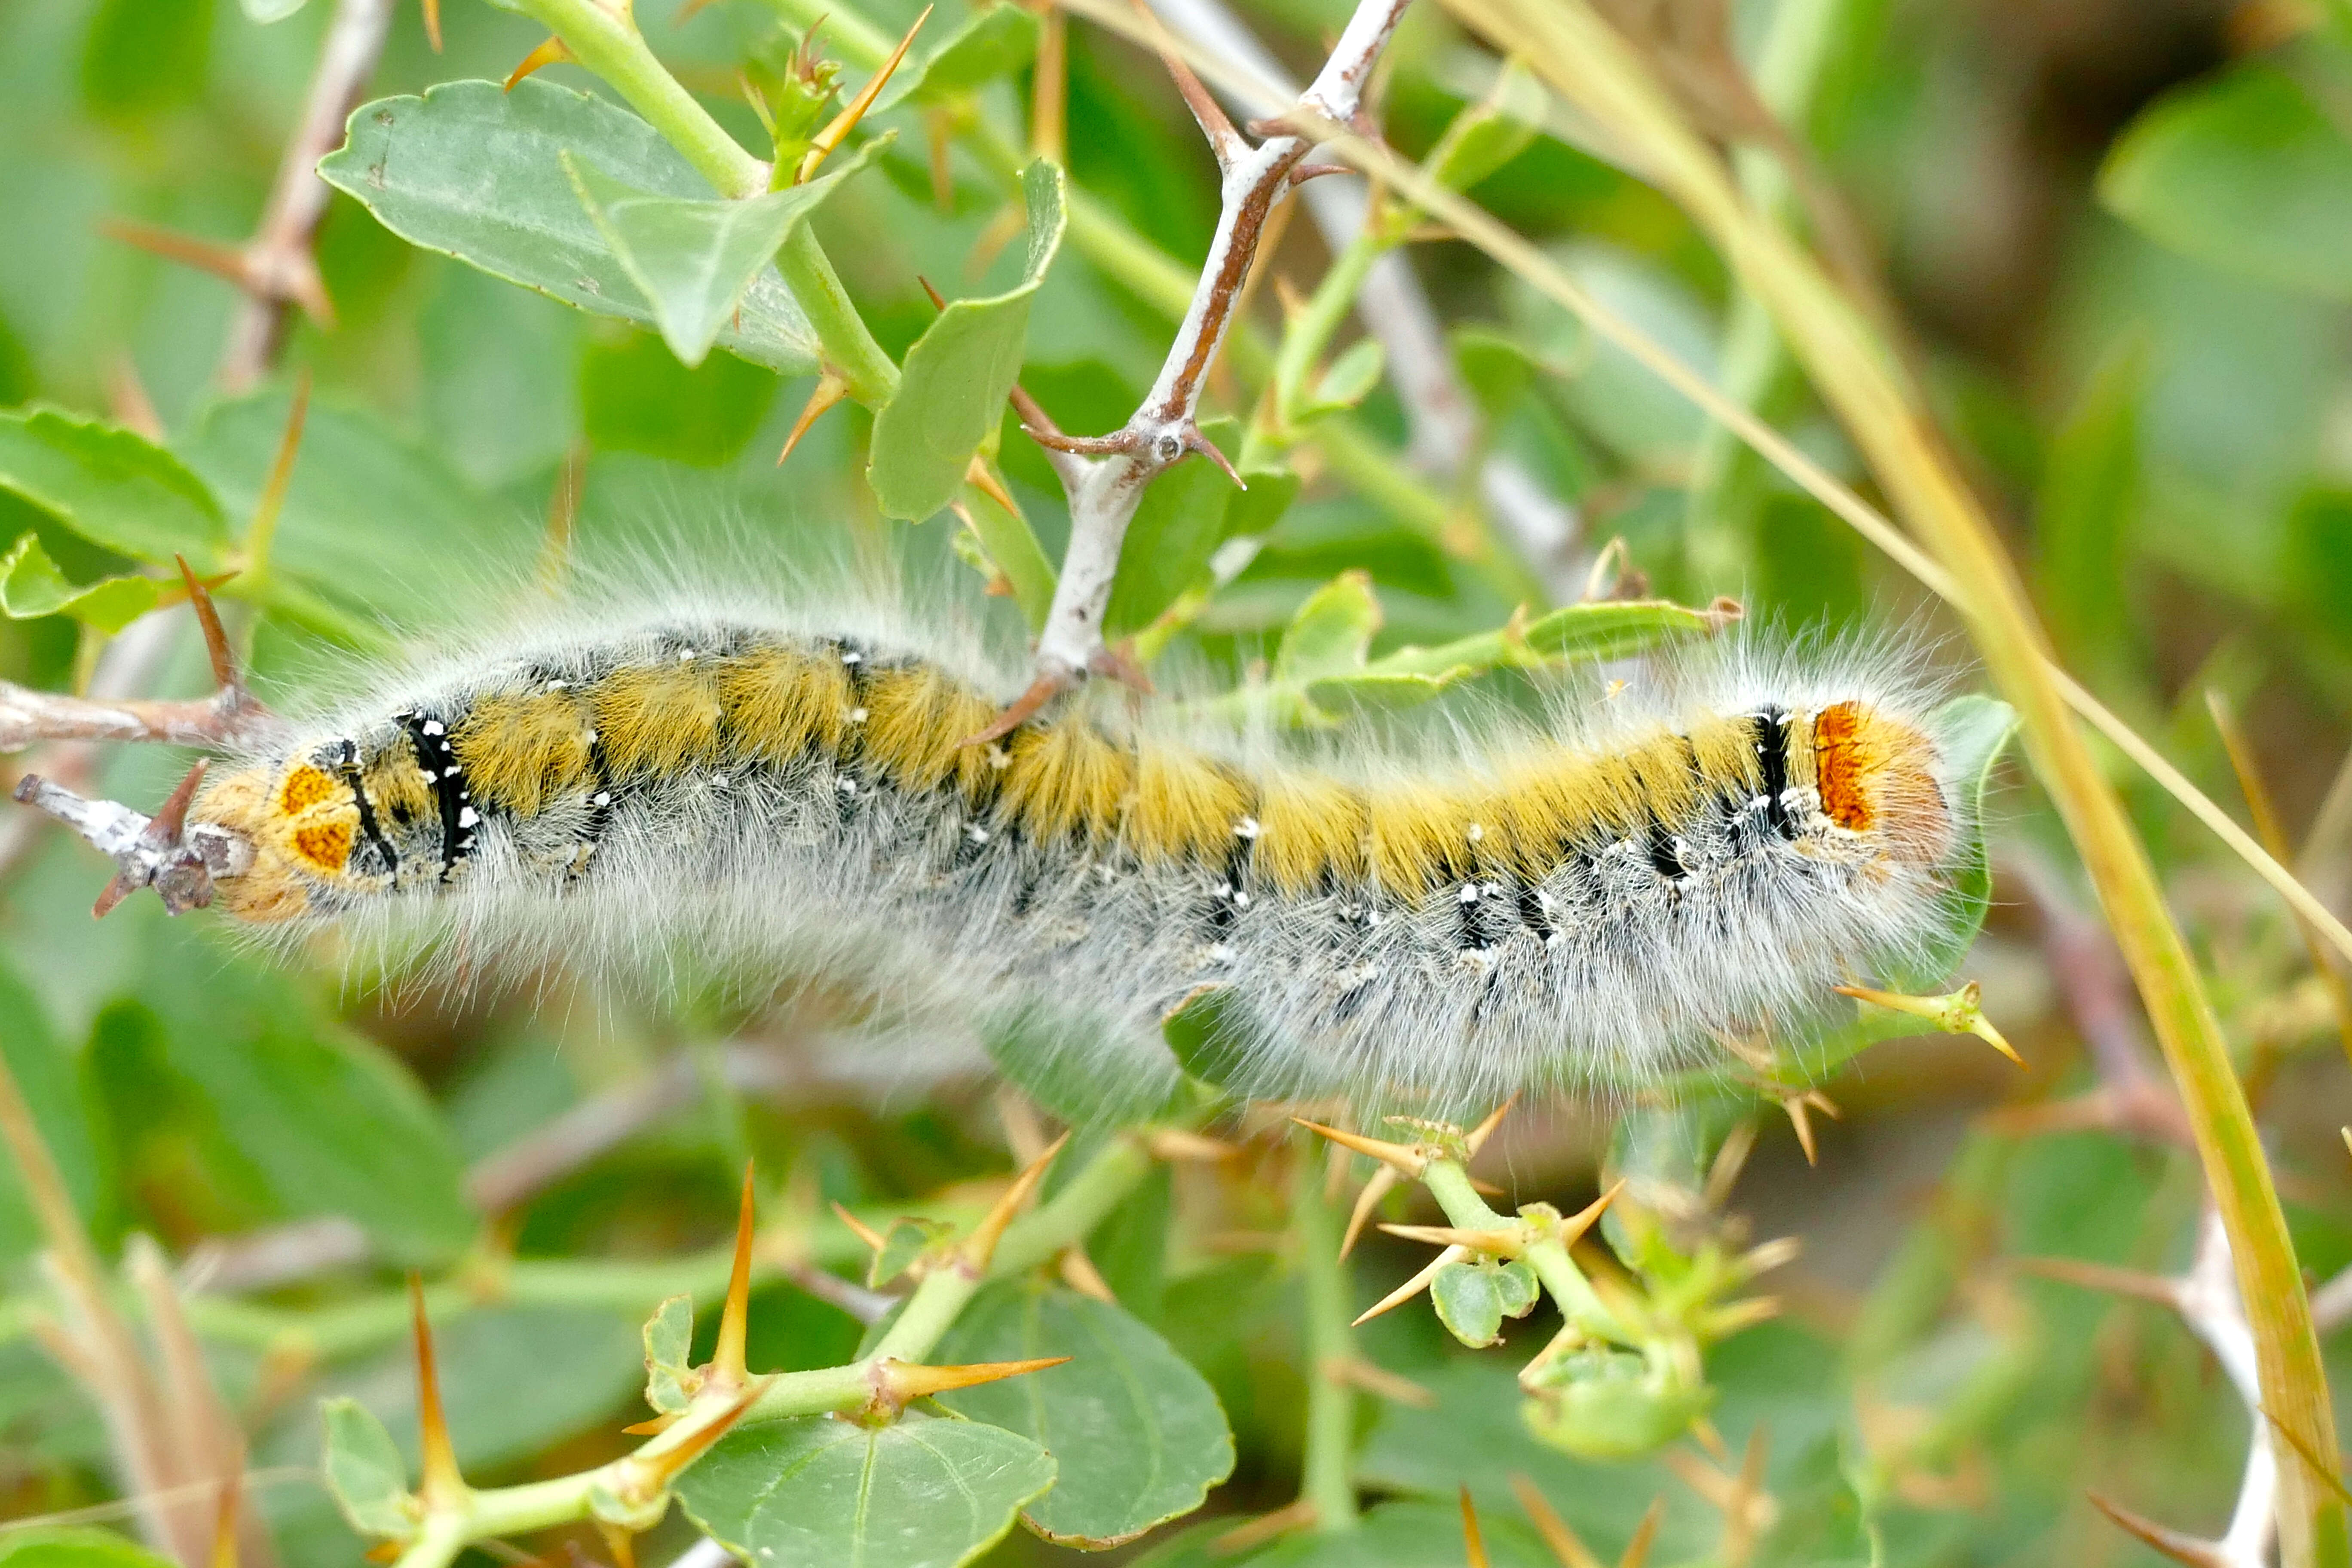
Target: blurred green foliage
(2121,238)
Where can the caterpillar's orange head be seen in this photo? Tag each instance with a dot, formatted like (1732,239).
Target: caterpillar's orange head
(1877,775)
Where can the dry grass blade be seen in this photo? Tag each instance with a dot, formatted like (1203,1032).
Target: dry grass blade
(2266,822)
(1594,68)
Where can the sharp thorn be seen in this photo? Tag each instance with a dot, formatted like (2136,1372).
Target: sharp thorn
(858,1227)
(263,529)
(899,1382)
(830,389)
(1501,1243)
(1477,1136)
(549,53)
(1573,1227)
(936,302)
(1410,1288)
(1403,1158)
(1306,171)
(225,1525)
(1048,685)
(118,887)
(1196,442)
(228,262)
(2131,1282)
(619,1542)
(727,1369)
(1563,1541)
(433,24)
(1224,140)
(2172,1543)
(661,1467)
(171,818)
(442,1486)
(981,478)
(1079,1273)
(846,121)
(662,1423)
(1637,1551)
(982,1247)
(1474,1546)
(216,648)
(1383,1182)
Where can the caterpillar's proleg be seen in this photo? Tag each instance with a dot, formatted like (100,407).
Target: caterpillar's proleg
(1593,899)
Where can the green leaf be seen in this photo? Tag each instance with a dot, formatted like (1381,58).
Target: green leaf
(953,385)
(2245,171)
(368,515)
(514,1382)
(364,1470)
(1138,1434)
(2090,494)
(925,1491)
(113,487)
(1468,1303)
(1517,1289)
(1350,380)
(907,1240)
(991,43)
(330,1122)
(1490,133)
(267,11)
(1574,634)
(1498,367)
(669,1338)
(473,171)
(71,1548)
(692,258)
(1185,514)
(32,586)
(1331,633)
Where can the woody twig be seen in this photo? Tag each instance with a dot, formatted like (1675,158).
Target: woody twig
(1104,476)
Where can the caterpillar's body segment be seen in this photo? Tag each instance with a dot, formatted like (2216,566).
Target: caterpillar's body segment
(1592,901)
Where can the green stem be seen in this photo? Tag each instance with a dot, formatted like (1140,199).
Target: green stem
(1308,336)
(1449,1183)
(849,347)
(608,43)
(1328,1480)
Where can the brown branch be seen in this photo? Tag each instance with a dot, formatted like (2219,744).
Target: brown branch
(281,269)
(1103,492)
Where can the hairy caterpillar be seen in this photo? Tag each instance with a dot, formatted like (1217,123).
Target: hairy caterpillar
(1596,896)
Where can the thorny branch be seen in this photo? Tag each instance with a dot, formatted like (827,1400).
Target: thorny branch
(281,270)
(1444,435)
(1108,475)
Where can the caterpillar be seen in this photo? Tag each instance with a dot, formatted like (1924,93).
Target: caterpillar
(1593,896)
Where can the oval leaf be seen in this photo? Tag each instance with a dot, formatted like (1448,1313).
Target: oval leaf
(472,171)
(2244,172)
(113,487)
(1138,1433)
(923,1493)
(364,1469)
(1469,1303)
(952,387)
(692,259)
(31,587)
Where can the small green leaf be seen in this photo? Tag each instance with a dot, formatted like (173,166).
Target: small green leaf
(1469,1303)
(113,487)
(1207,1033)
(1517,1289)
(2243,171)
(908,1240)
(31,587)
(953,386)
(1350,380)
(991,43)
(1498,367)
(925,1491)
(364,1470)
(669,1338)
(1138,1434)
(693,259)
(1331,632)
(1177,525)
(267,11)
(1489,133)
(473,171)
(60,1547)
